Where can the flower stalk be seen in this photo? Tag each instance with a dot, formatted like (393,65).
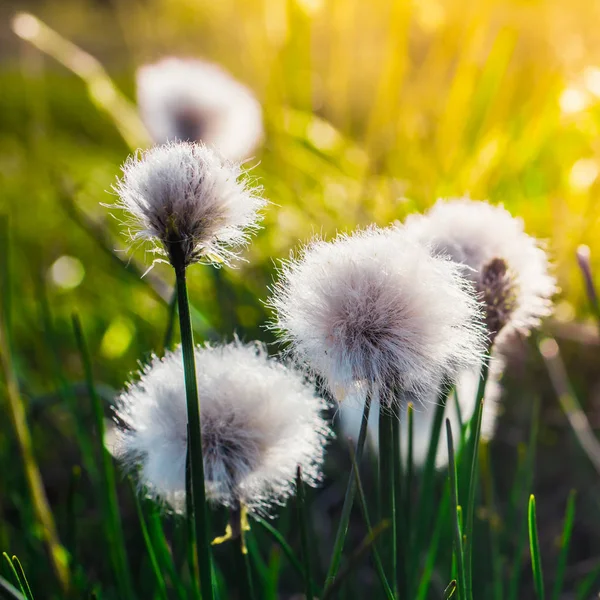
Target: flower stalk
(387,490)
(200,517)
(303,523)
(340,537)
(473,455)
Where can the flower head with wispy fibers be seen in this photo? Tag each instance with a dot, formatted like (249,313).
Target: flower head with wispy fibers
(377,308)
(195,206)
(509,269)
(193,100)
(260,420)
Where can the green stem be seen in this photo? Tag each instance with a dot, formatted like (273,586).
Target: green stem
(203,552)
(387,490)
(399,531)
(475,427)
(458,543)
(407,506)
(363,506)
(303,522)
(242,564)
(342,530)
(189,525)
(425,504)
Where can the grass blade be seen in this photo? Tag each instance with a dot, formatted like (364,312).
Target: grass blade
(272,579)
(348,499)
(534,548)
(18,417)
(161,586)
(302,522)
(9,591)
(584,590)
(15,573)
(163,554)
(22,577)
(458,540)
(564,546)
(355,558)
(424,505)
(422,592)
(365,512)
(494,523)
(526,479)
(71,512)
(569,403)
(473,455)
(276,535)
(108,488)
(449,591)
(64,389)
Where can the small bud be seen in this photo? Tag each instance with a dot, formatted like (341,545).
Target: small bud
(583,259)
(475,234)
(499,294)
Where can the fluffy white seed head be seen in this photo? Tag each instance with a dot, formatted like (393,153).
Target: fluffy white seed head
(260,420)
(503,262)
(188,201)
(349,416)
(193,100)
(377,308)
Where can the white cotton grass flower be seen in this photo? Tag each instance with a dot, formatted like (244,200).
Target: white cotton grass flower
(349,416)
(260,420)
(192,204)
(508,267)
(194,100)
(376,308)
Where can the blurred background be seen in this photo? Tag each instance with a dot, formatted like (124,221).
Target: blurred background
(372,110)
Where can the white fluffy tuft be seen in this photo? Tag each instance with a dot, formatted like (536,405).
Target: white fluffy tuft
(186,197)
(260,420)
(474,233)
(376,308)
(193,100)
